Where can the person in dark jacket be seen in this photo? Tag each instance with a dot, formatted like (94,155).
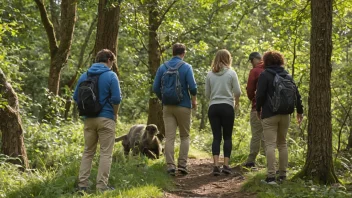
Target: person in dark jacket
(257,139)
(275,126)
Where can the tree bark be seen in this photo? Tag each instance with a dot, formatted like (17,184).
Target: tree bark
(319,164)
(155,18)
(80,64)
(108,28)
(11,125)
(55,14)
(155,114)
(204,111)
(349,145)
(58,51)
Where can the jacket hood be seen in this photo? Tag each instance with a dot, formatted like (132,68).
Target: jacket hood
(278,69)
(222,71)
(98,68)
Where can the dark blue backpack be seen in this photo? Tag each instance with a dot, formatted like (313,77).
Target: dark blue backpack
(171,88)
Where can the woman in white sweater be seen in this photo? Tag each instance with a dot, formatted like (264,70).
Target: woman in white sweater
(223,90)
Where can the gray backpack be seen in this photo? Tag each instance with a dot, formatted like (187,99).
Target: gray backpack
(171,88)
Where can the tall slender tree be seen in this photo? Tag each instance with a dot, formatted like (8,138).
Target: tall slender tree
(108,27)
(11,125)
(319,164)
(59,51)
(155,18)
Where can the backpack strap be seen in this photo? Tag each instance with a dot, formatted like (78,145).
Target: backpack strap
(179,64)
(166,65)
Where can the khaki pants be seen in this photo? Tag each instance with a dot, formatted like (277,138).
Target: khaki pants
(102,130)
(176,116)
(257,140)
(275,131)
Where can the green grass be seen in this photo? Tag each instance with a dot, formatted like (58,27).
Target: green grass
(291,189)
(132,177)
(55,152)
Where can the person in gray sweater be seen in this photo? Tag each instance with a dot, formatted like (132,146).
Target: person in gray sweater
(223,90)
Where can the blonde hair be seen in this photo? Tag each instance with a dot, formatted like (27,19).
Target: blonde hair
(222,59)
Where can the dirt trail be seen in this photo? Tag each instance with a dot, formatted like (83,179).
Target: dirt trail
(201,183)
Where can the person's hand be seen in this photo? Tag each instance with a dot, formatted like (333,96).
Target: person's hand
(194,105)
(237,106)
(115,117)
(258,115)
(299,118)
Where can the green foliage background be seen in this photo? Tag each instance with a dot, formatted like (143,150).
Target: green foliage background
(54,144)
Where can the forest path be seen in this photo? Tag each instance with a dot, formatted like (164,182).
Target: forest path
(200,182)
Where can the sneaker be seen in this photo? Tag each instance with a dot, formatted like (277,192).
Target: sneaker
(82,190)
(183,170)
(270,181)
(108,188)
(216,171)
(227,170)
(281,179)
(171,171)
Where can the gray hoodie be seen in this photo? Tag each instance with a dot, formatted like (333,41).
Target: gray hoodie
(222,87)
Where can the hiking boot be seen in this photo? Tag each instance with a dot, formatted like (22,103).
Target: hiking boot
(270,181)
(216,171)
(171,171)
(281,179)
(227,170)
(82,190)
(108,188)
(183,170)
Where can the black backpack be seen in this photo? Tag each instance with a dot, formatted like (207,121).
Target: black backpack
(88,96)
(285,96)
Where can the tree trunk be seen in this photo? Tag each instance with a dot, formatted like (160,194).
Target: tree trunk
(108,28)
(59,51)
(204,112)
(155,114)
(319,164)
(11,125)
(349,145)
(80,64)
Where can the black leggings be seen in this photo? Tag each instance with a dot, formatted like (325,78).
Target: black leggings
(221,118)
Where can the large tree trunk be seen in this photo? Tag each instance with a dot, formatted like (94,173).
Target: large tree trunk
(155,114)
(319,164)
(155,18)
(108,28)
(10,125)
(59,51)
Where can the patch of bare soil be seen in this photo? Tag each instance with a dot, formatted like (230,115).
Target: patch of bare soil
(200,182)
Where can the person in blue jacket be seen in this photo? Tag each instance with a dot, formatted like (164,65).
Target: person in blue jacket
(180,114)
(101,127)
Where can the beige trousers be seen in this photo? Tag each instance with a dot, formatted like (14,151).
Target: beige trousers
(257,140)
(175,116)
(102,130)
(275,131)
